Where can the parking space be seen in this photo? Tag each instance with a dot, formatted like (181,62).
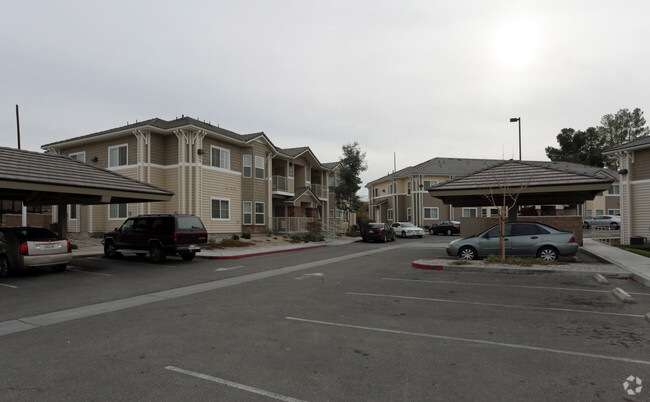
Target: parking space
(354,322)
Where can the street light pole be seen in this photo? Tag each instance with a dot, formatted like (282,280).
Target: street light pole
(518,119)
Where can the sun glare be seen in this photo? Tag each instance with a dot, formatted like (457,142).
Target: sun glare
(516,44)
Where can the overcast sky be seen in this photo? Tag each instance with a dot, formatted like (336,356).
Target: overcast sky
(420,79)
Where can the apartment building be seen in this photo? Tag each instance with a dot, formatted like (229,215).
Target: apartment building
(236,183)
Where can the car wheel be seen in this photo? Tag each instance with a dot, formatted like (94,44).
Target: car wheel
(393,238)
(448,232)
(5,271)
(613,226)
(432,232)
(110,251)
(140,255)
(404,234)
(189,256)
(59,268)
(547,254)
(384,239)
(157,254)
(467,253)
(585,225)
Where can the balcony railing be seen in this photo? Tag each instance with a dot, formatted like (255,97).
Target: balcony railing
(291,225)
(282,183)
(319,190)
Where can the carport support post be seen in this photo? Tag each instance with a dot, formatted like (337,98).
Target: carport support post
(512,213)
(62,216)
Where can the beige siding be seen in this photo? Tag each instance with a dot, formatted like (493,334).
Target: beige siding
(222,186)
(640,214)
(640,169)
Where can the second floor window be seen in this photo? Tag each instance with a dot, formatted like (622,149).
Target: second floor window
(259,167)
(117,156)
(248,166)
(429,183)
(220,158)
(614,190)
(80,156)
(408,188)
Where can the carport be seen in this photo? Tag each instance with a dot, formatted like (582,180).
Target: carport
(45,179)
(534,183)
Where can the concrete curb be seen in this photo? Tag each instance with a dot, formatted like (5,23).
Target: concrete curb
(418,264)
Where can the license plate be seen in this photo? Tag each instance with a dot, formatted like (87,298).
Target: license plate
(193,248)
(48,246)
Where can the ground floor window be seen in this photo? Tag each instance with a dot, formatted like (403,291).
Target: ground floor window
(431,213)
(590,213)
(117,211)
(469,212)
(613,212)
(73,212)
(599,212)
(220,209)
(259,213)
(248,213)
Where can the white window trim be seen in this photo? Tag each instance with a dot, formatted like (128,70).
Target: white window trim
(117,147)
(119,218)
(76,210)
(250,166)
(226,150)
(257,213)
(424,215)
(212,199)
(389,215)
(251,213)
(75,155)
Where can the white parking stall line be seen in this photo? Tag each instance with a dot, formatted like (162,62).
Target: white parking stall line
(476,341)
(229,269)
(9,286)
(87,272)
(508,286)
(566,310)
(242,387)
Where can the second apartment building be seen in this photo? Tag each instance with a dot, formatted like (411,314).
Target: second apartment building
(235,183)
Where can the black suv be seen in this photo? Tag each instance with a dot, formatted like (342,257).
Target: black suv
(158,235)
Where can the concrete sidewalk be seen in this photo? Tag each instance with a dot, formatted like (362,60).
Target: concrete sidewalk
(637,265)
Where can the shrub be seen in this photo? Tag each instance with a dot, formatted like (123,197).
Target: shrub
(235,237)
(246,236)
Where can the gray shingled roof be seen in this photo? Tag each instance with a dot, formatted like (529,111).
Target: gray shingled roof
(643,142)
(47,176)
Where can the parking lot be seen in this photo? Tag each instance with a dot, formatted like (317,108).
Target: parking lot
(351,322)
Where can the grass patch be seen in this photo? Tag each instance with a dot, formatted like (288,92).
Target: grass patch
(461,262)
(643,250)
(225,243)
(520,261)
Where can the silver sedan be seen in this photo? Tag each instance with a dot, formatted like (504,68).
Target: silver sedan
(31,247)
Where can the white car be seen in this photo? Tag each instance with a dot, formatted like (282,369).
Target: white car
(407,229)
(613,221)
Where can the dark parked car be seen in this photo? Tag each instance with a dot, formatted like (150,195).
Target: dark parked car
(377,231)
(445,227)
(158,235)
(520,238)
(31,247)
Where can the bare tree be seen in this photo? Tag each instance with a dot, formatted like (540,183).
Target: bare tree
(502,188)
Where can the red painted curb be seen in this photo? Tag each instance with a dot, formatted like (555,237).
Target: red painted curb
(418,265)
(234,257)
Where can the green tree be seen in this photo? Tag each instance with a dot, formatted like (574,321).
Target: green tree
(353,162)
(622,127)
(585,147)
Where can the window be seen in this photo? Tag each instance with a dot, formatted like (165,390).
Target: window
(248,213)
(616,212)
(469,212)
(409,215)
(330,181)
(259,167)
(290,169)
(408,188)
(614,190)
(331,213)
(117,156)
(429,183)
(117,211)
(484,212)
(80,156)
(376,192)
(390,189)
(599,212)
(431,213)
(220,209)
(73,212)
(590,213)
(220,158)
(248,166)
(389,214)
(259,213)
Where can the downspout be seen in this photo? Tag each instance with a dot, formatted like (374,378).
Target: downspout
(627,229)
(148,140)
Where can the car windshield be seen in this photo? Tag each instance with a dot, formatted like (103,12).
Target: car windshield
(190,222)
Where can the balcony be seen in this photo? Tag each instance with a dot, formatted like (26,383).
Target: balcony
(319,190)
(282,184)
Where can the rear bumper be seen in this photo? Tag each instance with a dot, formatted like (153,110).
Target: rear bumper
(30,261)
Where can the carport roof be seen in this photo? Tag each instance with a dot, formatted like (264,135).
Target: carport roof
(46,179)
(537,183)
